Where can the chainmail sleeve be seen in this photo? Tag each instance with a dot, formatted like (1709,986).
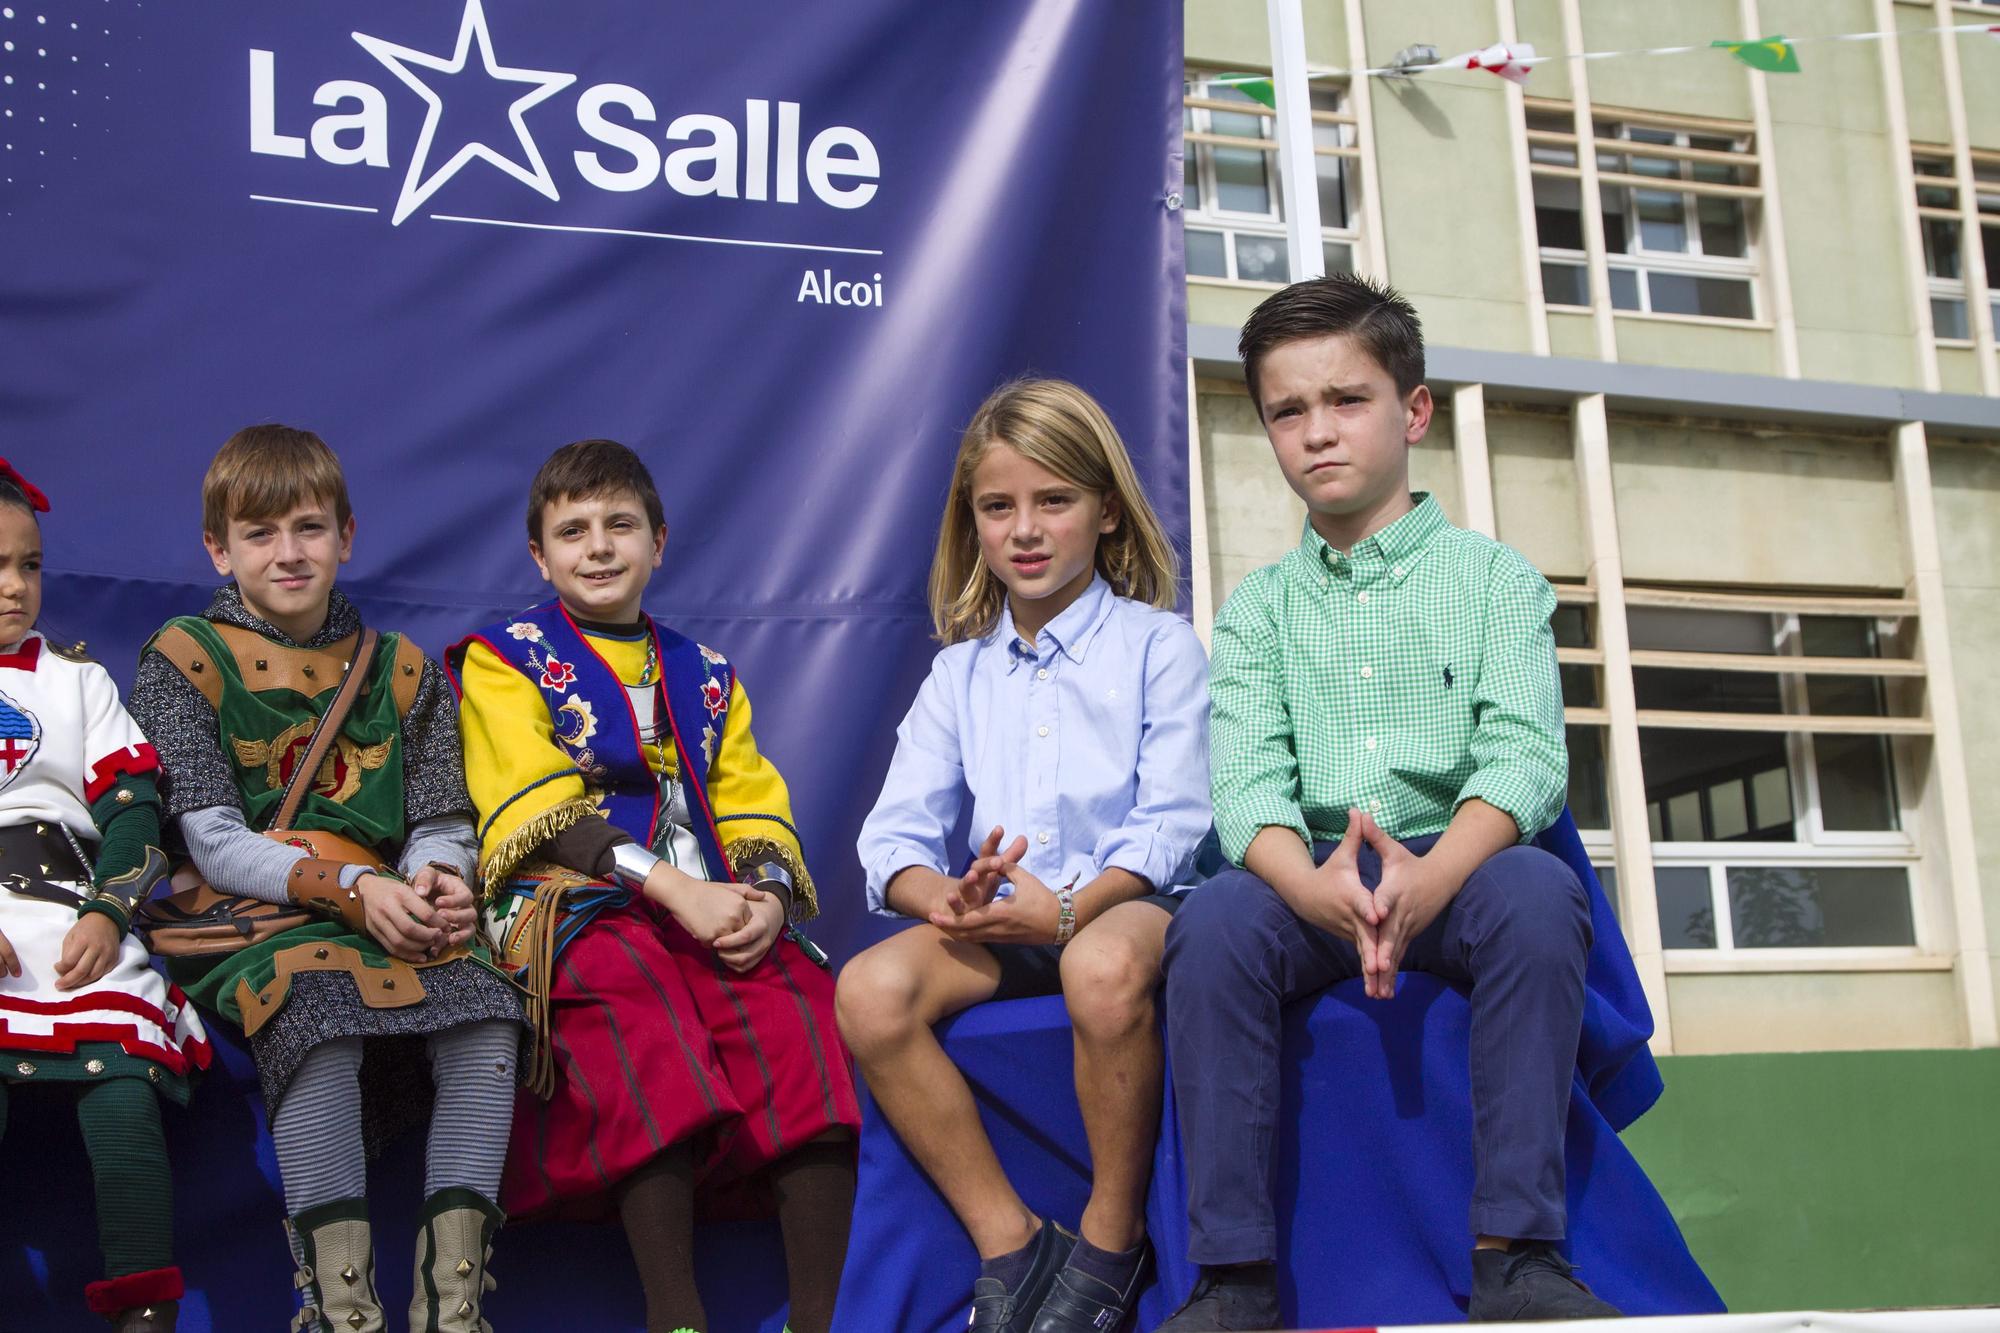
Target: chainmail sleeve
(433,762)
(183,728)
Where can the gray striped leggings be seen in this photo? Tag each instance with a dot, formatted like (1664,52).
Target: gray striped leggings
(317,1130)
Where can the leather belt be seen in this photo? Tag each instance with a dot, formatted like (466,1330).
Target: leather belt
(33,855)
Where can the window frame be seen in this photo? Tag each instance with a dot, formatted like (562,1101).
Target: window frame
(1199,142)
(1813,845)
(1612,137)
(1985,187)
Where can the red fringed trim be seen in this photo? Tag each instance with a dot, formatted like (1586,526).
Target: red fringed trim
(132,761)
(134,1289)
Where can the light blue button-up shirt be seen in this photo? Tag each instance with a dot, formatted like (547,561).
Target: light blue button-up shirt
(1092,743)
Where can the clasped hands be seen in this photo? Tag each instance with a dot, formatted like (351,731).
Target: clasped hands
(1382,923)
(972,908)
(416,920)
(739,922)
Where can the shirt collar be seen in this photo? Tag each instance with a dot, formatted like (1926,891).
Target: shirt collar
(25,654)
(1071,632)
(1397,546)
(226,607)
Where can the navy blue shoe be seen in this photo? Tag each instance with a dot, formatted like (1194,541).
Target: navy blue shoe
(1229,1300)
(996,1308)
(1530,1281)
(1081,1303)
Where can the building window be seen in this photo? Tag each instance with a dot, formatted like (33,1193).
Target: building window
(1678,200)
(1941,220)
(1232,207)
(1774,738)
(1580,660)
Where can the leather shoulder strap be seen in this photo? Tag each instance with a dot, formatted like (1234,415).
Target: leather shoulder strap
(191,660)
(407,675)
(329,727)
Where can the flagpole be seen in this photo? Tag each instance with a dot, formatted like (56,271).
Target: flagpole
(1298,168)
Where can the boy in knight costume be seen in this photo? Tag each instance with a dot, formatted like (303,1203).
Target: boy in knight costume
(355,924)
(641,870)
(79,1006)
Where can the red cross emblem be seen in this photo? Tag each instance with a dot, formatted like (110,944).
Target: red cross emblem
(13,753)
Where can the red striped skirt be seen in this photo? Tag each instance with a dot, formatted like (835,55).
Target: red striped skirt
(656,1042)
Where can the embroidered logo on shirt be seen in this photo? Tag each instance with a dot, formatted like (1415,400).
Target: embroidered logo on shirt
(339,775)
(1447,677)
(20,737)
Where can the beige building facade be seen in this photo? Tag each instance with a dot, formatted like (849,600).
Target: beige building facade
(1715,349)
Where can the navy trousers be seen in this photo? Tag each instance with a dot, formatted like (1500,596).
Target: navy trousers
(1517,935)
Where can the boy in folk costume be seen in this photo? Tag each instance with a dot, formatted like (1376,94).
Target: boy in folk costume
(641,869)
(234,701)
(79,1007)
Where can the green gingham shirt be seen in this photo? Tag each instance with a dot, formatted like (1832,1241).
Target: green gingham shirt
(1405,677)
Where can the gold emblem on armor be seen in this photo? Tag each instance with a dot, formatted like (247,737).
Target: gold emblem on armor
(339,775)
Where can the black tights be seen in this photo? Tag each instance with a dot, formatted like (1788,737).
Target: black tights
(814,1187)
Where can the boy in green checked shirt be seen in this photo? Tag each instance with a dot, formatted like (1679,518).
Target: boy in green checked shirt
(1386,736)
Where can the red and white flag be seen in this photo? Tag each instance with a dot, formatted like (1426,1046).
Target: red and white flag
(1512,61)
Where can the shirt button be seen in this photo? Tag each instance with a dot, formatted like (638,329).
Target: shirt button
(1042,674)
(1398,571)
(1361,597)
(1374,807)
(1042,837)
(1041,731)
(1370,742)
(1367,672)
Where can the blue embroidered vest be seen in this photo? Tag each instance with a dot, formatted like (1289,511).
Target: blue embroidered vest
(693,703)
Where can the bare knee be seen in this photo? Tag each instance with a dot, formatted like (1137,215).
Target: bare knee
(1108,981)
(875,1000)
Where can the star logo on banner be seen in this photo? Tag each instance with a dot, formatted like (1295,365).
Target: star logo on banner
(417,187)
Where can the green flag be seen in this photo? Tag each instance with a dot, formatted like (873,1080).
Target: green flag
(1773,55)
(1262,90)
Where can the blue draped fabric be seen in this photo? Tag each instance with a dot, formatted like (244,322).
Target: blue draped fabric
(1374,1175)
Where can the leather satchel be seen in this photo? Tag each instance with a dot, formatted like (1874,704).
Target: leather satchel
(197,921)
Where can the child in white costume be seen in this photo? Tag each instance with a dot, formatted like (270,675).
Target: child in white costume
(79,1005)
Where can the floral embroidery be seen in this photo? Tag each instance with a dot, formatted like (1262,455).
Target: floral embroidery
(713,697)
(557,675)
(707,746)
(522,629)
(712,657)
(575,721)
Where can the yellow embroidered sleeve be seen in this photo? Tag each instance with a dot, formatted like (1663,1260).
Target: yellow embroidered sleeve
(526,786)
(753,809)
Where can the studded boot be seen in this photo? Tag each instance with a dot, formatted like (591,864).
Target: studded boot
(336,1277)
(147,1302)
(159,1317)
(454,1246)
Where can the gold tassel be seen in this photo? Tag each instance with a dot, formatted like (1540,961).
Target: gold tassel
(506,857)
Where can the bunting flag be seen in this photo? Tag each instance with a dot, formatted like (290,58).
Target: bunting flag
(1773,55)
(1263,90)
(1512,61)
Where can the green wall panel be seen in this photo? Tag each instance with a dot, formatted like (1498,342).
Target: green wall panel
(1923,75)
(1696,84)
(1839,1181)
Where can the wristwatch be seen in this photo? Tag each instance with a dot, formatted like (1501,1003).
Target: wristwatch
(1065,912)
